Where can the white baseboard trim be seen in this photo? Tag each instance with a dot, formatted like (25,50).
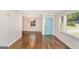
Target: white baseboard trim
(14,41)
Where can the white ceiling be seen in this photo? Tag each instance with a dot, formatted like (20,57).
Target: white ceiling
(53,12)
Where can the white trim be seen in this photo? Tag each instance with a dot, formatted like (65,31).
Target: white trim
(14,41)
(68,40)
(43,23)
(64,42)
(70,35)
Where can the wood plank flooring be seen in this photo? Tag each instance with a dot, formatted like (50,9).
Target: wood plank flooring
(35,40)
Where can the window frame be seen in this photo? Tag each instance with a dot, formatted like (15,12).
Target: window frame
(60,27)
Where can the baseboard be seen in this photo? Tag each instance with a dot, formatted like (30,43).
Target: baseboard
(4,47)
(24,33)
(14,41)
(47,34)
(63,42)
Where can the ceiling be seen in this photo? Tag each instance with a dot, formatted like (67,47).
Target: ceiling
(53,12)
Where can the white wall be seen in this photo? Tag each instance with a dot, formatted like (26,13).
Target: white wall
(28,18)
(10,27)
(67,39)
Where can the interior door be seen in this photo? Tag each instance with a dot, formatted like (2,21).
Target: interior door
(48,25)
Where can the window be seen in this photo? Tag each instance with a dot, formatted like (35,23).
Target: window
(62,24)
(70,24)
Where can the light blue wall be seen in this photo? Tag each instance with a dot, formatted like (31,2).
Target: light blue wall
(48,25)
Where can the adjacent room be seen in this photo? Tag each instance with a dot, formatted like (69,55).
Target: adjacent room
(39,29)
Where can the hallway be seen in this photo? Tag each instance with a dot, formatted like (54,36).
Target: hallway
(35,24)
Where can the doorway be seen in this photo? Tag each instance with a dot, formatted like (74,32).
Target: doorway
(48,25)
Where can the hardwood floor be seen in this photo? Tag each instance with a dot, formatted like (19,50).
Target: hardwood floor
(35,40)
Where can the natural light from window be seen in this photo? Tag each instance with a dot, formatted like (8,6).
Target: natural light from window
(70,24)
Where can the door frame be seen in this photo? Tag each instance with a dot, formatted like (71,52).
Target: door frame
(43,24)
